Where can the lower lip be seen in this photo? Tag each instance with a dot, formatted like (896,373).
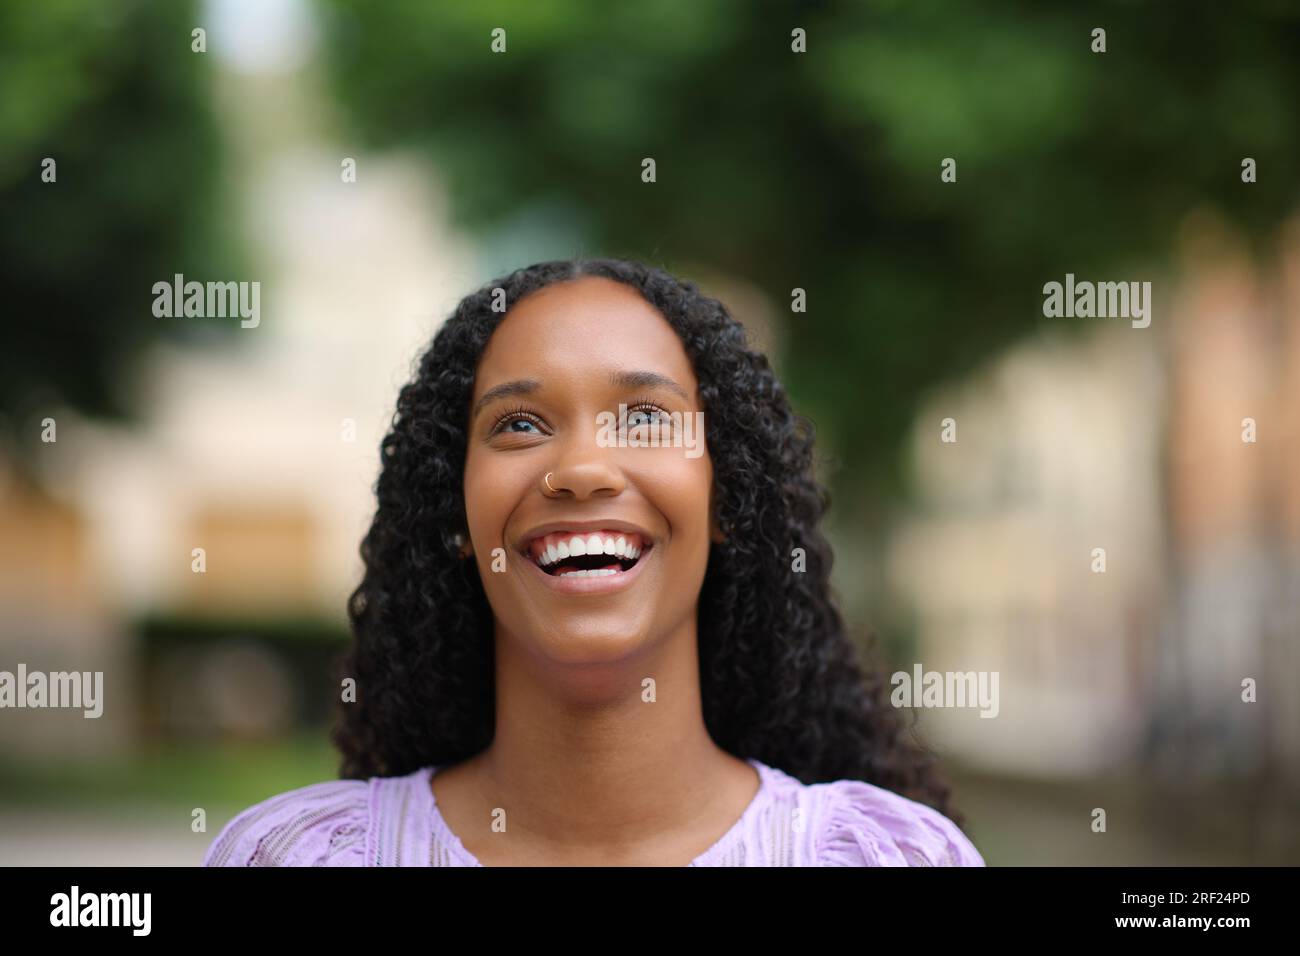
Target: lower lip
(601,584)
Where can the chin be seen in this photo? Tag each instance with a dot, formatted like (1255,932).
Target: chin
(590,642)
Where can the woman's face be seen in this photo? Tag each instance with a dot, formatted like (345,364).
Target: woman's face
(562,347)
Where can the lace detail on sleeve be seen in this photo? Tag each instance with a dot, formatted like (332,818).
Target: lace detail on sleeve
(324,824)
(868,825)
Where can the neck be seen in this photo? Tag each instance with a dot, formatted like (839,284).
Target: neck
(601,755)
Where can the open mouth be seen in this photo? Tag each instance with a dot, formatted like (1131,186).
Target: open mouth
(588,554)
(591,566)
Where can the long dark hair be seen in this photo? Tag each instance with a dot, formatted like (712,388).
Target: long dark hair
(780,680)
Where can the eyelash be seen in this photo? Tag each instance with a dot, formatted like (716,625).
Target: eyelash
(523,411)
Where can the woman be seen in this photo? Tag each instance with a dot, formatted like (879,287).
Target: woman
(588,636)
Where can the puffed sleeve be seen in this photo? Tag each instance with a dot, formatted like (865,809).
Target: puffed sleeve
(323,824)
(868,825)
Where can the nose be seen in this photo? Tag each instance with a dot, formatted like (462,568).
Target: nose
(584,469)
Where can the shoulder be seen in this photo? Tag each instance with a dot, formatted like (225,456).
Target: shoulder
(322,824)
(867,825)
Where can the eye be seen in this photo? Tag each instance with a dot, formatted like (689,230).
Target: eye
(513,417)
(640,415)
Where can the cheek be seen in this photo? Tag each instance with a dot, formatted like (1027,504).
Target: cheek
(490,494)
(679,488)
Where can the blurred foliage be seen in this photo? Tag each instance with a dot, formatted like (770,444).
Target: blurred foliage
(819,171)
(113,93)
(175,775)
(822,170)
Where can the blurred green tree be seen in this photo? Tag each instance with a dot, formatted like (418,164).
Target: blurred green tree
(113,94)
(817,170)
(821,170)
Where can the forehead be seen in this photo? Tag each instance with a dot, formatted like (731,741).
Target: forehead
(572,329)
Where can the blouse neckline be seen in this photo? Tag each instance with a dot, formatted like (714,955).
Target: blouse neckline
(441,828)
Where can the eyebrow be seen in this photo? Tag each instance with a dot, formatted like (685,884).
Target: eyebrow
(617,378)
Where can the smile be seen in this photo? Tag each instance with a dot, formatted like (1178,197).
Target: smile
(589,562)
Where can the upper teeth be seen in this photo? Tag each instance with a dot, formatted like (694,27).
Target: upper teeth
(556,547)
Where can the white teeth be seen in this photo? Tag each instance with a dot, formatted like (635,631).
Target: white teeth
(598,573)
(614,545)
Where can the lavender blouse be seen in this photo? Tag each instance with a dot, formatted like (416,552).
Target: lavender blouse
(395,821)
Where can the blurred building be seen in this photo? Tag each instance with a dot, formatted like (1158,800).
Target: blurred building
(243,493)
(1128,440)
(55,616)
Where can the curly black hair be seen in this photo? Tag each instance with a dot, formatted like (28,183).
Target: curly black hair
(780,680)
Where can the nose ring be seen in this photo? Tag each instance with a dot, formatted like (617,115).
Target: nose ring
(547,480)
